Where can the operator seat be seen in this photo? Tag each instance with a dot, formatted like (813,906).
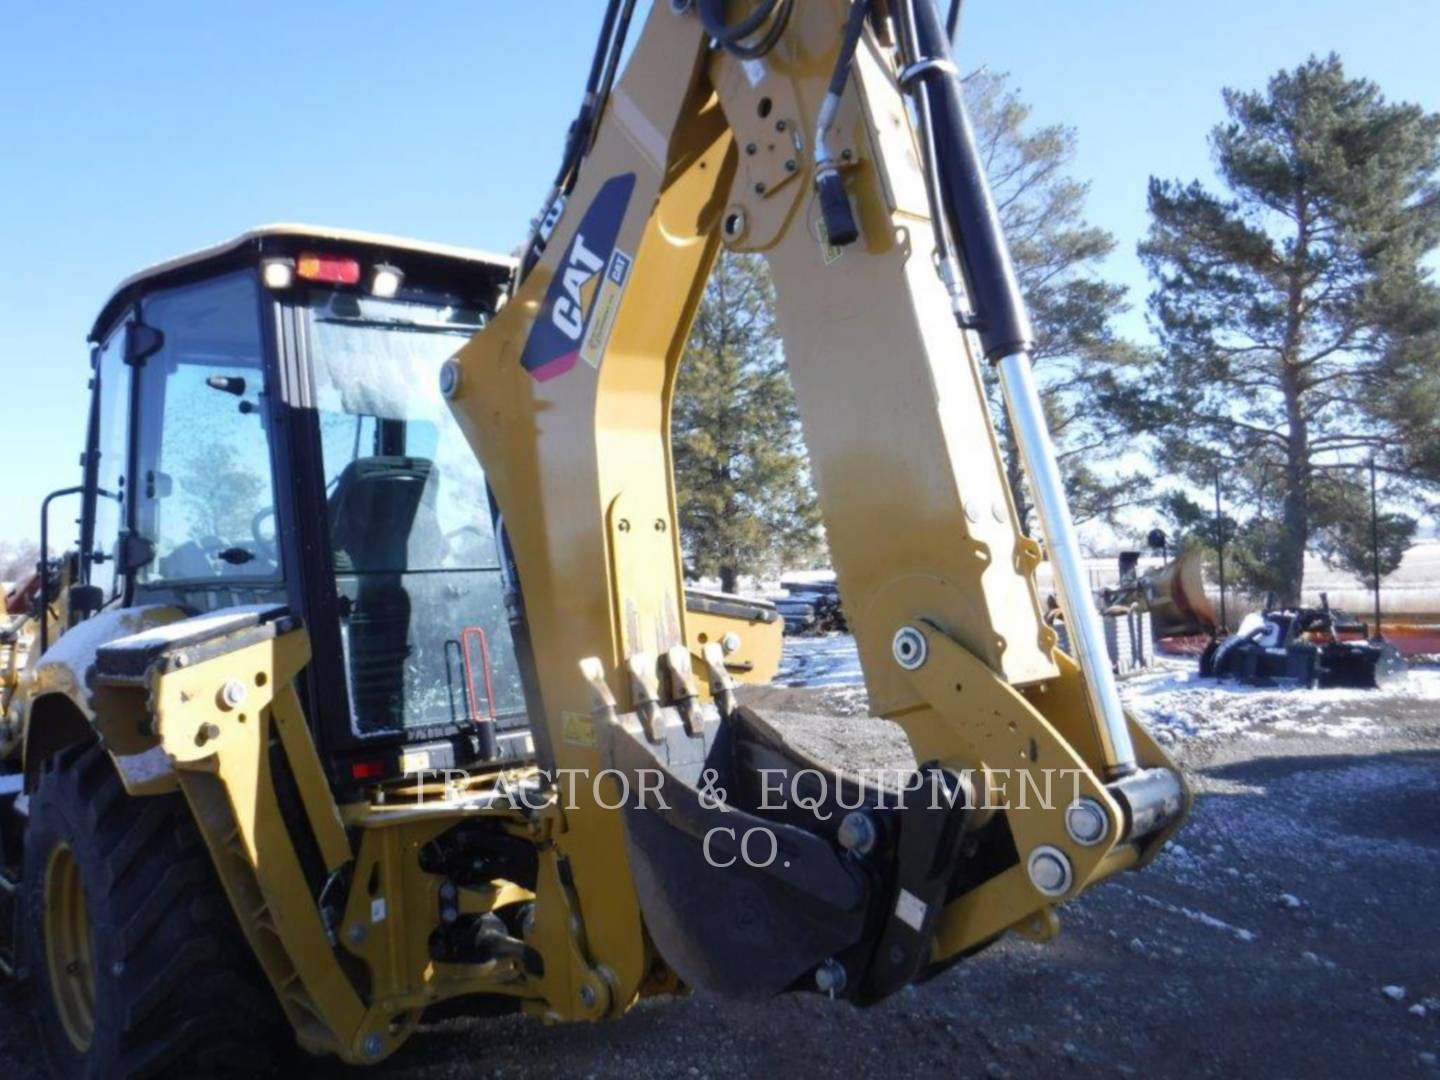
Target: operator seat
(383,523)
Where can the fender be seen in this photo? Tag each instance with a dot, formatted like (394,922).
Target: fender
(60,703)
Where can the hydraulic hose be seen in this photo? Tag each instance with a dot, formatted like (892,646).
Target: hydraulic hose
(732,35)
(840,227)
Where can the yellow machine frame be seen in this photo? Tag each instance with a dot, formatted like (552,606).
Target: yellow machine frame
(920,521)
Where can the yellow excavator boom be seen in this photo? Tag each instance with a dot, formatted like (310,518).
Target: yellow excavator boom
(734,134)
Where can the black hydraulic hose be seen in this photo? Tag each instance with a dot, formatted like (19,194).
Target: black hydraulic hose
(578,136)
(835,209)
(952,21)
(853,27)
(1000,317)
(948,264)
(577,140)
(617,46)
(712,17)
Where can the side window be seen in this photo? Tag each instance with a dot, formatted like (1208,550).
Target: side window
(204,491)
(112,424)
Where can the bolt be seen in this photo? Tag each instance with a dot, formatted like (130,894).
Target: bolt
(897,954)
(182,659)
(357,933)
(790,165)
(857,833)
(624,525)
(781,125)
(1049,870)
(759,189)
(729,643)
(847,155)
(232,694)
(830,977)
(450,377)
(117,968)
(750,148)
(1086,822)
(909,648)
(206,733)
(448,890)
(659,525)
(373,1046)
(587,996)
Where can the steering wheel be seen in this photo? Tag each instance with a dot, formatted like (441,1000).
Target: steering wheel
(266,546)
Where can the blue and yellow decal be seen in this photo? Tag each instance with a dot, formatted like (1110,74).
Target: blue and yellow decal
(584,297)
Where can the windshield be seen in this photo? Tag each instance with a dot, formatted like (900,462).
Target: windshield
(417,565)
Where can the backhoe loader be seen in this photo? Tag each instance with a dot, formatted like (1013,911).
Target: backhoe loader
(370,693)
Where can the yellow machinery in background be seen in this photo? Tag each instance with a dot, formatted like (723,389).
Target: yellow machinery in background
(375,697)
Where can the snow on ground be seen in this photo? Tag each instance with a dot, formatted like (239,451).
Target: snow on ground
(1178,704)
(827,660)
(1172,700)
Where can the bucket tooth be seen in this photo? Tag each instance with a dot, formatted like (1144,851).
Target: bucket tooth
(682,688)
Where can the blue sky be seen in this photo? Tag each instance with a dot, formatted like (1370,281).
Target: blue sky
(133,132)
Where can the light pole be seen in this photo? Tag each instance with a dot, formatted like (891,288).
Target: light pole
(1375,546)
(1220,550)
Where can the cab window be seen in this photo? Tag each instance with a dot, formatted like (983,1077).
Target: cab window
(204,489)
(418,578)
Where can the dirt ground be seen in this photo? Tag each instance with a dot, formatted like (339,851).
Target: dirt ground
(1291,930)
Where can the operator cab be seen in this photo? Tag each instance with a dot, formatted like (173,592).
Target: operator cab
(267,428)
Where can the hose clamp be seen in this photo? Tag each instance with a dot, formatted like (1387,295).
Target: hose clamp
(920,68)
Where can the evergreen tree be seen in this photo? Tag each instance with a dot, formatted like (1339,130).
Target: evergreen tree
(1298,320)
(746,505)
(1084,368)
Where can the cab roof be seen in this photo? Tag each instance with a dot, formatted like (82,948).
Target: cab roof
(474,269)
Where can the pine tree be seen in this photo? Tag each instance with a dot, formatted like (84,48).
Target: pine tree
(1298,320)
(746,505)
(1083,366)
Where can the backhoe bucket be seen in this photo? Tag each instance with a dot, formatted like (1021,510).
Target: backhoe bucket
(756,866)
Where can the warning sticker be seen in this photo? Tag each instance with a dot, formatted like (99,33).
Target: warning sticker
(578,729)
(910,910)
(605,308)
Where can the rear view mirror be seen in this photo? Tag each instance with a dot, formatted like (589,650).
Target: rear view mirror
(85,599)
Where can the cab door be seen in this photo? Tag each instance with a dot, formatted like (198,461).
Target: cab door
(204,502)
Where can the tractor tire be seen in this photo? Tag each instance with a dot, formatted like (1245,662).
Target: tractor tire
(137,964)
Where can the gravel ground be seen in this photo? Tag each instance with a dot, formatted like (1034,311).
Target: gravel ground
(1290,931)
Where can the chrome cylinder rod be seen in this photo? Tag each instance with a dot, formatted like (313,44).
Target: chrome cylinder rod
(1082,620)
